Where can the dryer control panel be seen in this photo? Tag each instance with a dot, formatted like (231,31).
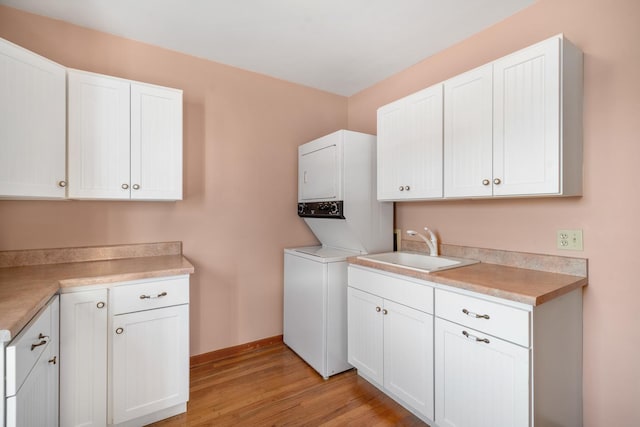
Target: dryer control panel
(321,210)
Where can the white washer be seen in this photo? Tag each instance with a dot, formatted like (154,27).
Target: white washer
(315,306)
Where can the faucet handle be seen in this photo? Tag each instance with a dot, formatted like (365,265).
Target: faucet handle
(434,242)
(430,233)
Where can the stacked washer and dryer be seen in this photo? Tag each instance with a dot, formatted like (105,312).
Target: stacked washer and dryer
(337,200)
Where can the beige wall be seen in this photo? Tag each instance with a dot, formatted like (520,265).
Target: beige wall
(608,32)
(241,132)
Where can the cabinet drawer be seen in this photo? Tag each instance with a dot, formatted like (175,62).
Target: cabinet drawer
(150,295)
(23,352)
(499,320)
(405,292)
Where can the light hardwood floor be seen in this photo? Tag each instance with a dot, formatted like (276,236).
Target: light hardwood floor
(272,386)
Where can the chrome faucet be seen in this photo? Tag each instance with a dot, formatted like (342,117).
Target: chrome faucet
(432,241)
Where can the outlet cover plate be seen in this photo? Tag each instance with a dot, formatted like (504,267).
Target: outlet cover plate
(569,239)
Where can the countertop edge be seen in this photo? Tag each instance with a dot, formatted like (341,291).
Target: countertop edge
(121,277)
(54,286)
(442,279)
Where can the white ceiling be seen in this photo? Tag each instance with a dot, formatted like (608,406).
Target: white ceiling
(340,46)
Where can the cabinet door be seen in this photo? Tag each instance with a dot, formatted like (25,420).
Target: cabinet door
(150,361)
(478,383)
(32,124)
(526,121)
(392,130)
(410,147)
(156,143)
(36,402)
(468,134)
(408,356)
(98,108)
(365,329)
(83,358)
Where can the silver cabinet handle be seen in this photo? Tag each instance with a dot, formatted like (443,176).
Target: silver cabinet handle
(54,360)
(100,304)
(473,337)
(497,181)
(43,340)
(62,184)
(385,312)
(136,186)
(163,294)
(125,186)
(477,316)
(401,188)
(486,182)
(378,309)
(406,187)
(119,331)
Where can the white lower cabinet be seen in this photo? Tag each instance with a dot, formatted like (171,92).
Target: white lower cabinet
(32,372)
(481,381)
(83,353)
(483,361)
(365,334)
(36,403)
(390,341)
(125,353)
(150,358)
(408,356)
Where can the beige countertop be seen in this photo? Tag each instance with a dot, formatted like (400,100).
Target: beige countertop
(25,289)
(525,285)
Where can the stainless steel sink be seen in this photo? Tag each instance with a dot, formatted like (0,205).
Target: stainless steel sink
(418,262)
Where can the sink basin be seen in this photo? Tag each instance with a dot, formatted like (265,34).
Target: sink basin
(418,262)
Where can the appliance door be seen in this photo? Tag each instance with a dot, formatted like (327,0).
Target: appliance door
(305,305)
(319,174)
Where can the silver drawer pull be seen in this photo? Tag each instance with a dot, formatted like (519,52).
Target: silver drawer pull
(468,335)
(33,346)
(163,294)
(43,340)
(477,316)
(119,331)
(100,304)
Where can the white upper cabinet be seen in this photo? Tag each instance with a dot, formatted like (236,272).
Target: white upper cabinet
(410,147)
(518,132)
(537,121)
(156,142)
(32,124)
(125,139)
(511,128)
(468,134)
(99,111)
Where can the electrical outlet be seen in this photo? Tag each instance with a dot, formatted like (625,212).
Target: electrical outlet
(569,239)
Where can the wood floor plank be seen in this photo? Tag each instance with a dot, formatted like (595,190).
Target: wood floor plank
(272,386)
